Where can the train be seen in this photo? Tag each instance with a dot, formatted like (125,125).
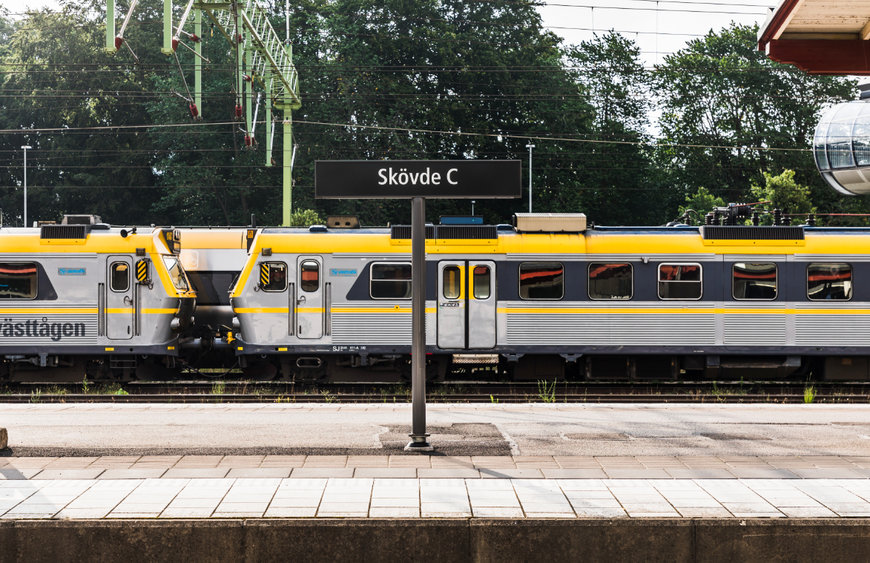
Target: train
(545,297)
(82,299)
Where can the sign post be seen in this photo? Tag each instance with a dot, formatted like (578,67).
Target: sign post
(417,180)
(419,441)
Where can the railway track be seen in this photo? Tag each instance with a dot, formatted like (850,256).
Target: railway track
(470,392)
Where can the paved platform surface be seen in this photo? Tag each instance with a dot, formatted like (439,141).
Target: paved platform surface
(706,482)
(530,461)
(433,498)
(457,429)
(424,486)
(435,466)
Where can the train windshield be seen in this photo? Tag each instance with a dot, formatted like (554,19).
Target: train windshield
(176,274)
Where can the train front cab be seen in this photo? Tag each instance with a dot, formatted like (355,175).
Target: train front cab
(90,301)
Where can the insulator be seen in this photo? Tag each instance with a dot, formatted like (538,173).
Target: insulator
(756,219)
(238,112)
(708,219)
(247,140)
(195,38)
(174,43)
(239,38)
(246,77)
(777,217)
(194,111)
(118,42)
(786,221)
(811,220)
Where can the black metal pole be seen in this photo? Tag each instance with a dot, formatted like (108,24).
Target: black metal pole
(419,441)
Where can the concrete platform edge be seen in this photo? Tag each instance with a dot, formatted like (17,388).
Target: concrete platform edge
(447,540)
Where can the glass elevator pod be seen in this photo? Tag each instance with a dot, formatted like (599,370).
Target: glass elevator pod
(842,147)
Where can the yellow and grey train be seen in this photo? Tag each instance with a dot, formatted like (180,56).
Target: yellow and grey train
(549,297)
(91,300)
(546,297)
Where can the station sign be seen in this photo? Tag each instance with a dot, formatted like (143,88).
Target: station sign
(407,179)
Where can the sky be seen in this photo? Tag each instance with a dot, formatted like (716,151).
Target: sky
(659,27)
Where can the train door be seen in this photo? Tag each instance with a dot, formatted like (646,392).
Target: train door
(120,306)
(466,304)
(309,297)
(276,296)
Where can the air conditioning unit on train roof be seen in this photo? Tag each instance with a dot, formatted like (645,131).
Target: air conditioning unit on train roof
(550,222)
(81,220)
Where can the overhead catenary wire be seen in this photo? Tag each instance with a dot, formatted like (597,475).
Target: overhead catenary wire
(523,137)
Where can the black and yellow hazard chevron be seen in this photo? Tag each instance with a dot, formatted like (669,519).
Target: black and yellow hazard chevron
(142,271)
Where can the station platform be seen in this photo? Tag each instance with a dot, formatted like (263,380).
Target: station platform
(137,481)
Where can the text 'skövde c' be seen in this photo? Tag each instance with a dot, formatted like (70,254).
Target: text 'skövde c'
(402,177)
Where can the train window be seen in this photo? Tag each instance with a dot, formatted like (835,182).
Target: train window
(391,281)
(450,282)
(275,278)
(754,280)
(309,274)
(176,274)
(680,281)
(611,281)
(542,280)
(120,276)
(18,280)
(481,279)
(829,282)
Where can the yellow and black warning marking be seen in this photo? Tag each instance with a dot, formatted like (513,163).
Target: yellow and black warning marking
(142,273)
(264,274)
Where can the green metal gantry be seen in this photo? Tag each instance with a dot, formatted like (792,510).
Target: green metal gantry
(263,61)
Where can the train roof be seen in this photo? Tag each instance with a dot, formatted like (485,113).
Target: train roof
(490,239)
(78,239)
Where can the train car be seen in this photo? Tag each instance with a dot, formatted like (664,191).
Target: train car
(550,297)
(90,301)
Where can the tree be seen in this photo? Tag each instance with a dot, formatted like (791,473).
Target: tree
(58,78)
(701,203)
(620,184)
(784,193)
(729,114)
(305,218)
(474,74)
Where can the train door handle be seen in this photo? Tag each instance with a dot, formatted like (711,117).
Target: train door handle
(128,300)
(301,300)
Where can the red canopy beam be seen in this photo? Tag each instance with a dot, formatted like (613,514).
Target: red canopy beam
(823,56)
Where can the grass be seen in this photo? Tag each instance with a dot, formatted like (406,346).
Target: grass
(547,391)
(118,391)
(218,388)
(809,394)
(327,396)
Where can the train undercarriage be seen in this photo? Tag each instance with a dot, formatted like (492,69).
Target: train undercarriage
(397,368)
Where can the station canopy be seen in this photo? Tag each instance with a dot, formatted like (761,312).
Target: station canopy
(819,36)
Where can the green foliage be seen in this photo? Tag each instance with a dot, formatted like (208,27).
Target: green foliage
(619,184)
(482,76)
(57,77)
(547,391)
(701,202)
(784,193)
(305,218)
(721,92)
